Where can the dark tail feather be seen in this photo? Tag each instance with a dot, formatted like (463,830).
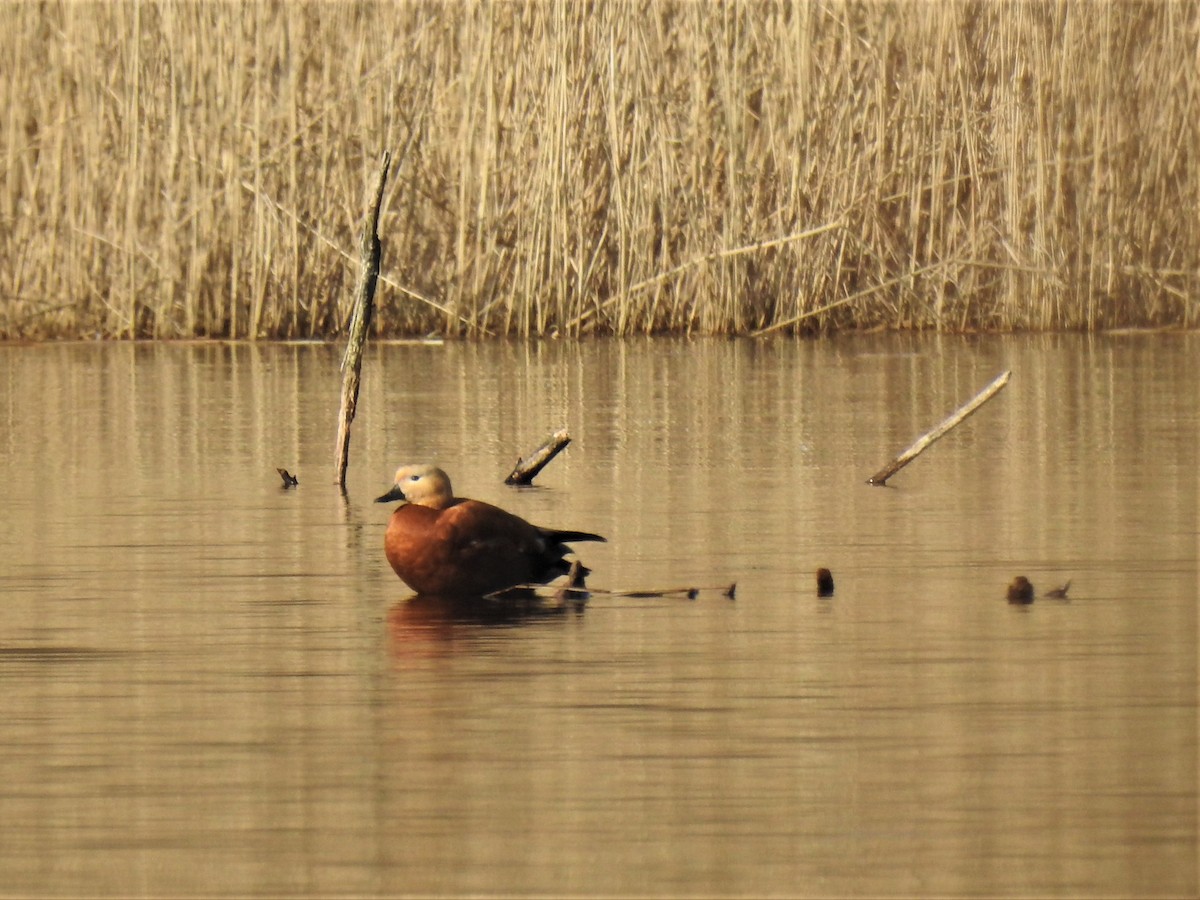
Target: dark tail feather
(566,537)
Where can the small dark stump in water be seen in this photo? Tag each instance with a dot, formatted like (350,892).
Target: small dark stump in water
(1020,591)
(289,480)
(824,583)
(1059,593)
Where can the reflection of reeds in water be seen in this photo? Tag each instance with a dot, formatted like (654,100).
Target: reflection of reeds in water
(692,167)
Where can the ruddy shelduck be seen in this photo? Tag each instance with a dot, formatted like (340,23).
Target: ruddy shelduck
(449,546)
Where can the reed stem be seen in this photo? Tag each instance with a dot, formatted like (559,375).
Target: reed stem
(191,169)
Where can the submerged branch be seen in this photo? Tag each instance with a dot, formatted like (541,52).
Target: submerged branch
(691,593)
(581,592)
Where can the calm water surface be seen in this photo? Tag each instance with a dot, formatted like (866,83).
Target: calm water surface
(214,686)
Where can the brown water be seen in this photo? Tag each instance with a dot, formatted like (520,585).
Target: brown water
(210,685)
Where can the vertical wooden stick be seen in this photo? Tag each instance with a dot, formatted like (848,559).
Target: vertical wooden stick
(360,323)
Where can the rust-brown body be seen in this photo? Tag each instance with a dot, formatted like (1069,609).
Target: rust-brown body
(447,546)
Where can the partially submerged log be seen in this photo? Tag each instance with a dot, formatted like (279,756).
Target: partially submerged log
(690,592)
(527,469)
(574,588)
(923,443)
(729,591)
(289,480)
(360,323)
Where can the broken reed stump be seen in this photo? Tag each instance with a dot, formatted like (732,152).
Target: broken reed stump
(289,480)
(824,583)
(360,323)
(923,443)
(1060,593)
(526,469)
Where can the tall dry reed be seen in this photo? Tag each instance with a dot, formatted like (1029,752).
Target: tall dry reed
(192,168)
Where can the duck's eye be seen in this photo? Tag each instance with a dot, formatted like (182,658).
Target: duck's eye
(414,477)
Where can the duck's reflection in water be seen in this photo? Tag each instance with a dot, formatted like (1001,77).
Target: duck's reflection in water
(423,625)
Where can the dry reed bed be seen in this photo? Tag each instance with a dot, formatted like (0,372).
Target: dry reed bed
(180,169)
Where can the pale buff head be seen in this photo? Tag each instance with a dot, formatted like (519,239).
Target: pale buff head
(420,485)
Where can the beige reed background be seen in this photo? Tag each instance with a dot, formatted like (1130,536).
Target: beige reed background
(201,169)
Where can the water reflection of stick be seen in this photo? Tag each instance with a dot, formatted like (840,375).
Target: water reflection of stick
(526,469)
(360,323)
(923,442)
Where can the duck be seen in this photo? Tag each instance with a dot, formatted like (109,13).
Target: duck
(1020,591)
(447,546)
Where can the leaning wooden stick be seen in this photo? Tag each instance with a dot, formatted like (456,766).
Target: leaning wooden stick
(926,440)
(360,322)
(526,469)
